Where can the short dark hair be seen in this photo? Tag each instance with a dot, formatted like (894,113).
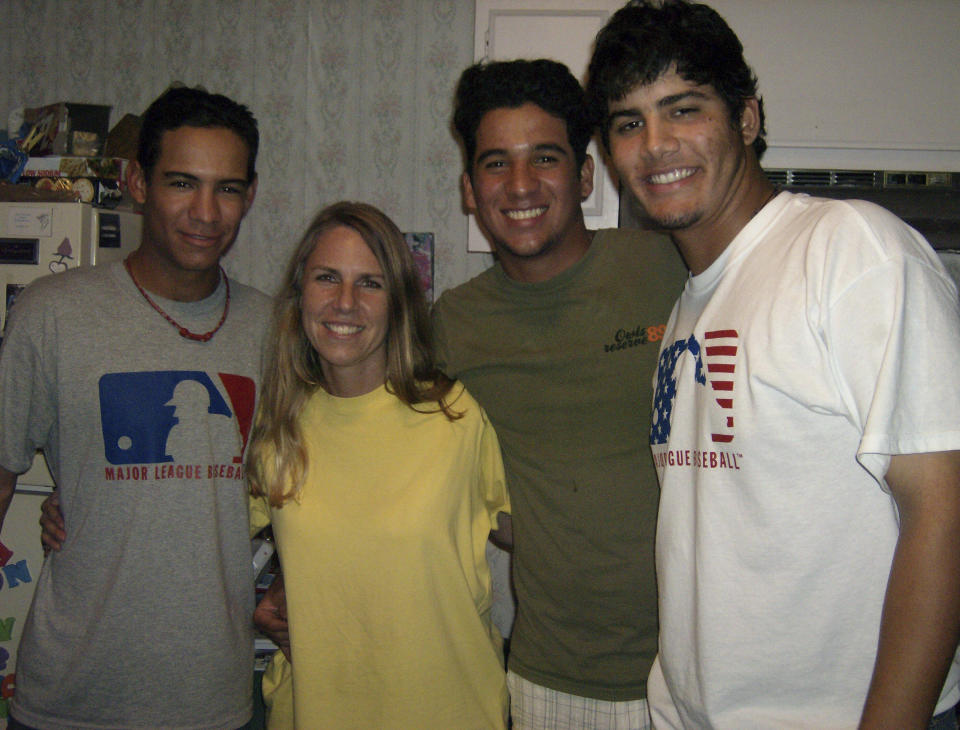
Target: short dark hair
(185,107)
(644,39)
(484,87)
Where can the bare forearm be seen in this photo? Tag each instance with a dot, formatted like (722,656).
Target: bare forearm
(920,627)
(503,536)
(270,615)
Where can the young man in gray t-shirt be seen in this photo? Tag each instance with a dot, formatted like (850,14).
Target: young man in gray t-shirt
(139,382)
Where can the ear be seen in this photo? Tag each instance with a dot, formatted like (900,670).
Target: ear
(251,194)
(468,199)
(137,182)
(750,120)
(586,178)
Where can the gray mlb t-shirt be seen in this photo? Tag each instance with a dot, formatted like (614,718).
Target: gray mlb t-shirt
(143,619)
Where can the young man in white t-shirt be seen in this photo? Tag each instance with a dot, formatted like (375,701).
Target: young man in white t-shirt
(805,434)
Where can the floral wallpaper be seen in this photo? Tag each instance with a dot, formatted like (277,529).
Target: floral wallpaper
(353,98)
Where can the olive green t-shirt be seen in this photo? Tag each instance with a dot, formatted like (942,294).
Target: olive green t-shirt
(564,369)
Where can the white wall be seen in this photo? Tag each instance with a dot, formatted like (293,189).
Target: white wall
(855,83)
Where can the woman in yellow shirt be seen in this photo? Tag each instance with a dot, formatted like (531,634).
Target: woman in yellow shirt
(382,480)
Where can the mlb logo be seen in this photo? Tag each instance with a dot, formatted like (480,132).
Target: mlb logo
(180,416)
(720,354)
(714,366)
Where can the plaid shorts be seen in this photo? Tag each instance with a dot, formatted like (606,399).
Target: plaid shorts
(533,707)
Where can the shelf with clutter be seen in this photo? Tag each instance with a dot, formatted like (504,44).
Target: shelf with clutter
(64,152)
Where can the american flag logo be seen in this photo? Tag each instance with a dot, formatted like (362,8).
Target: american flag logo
(666,390)
(716,359)
(720,354)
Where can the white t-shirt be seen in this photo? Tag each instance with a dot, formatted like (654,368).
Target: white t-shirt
(822,341)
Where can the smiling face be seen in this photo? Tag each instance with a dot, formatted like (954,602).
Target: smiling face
(343,309)
(526,191)
(193,203)
(672,143)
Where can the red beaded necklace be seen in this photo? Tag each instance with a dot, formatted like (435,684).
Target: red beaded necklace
(184,332)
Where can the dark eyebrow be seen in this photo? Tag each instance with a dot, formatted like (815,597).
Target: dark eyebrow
(169,174)
(542,147)
(620,113)
(174,174)
(661,104)
(675,98)
(550,147)
(489,153)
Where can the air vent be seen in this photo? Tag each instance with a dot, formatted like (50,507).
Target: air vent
(803,178)
(857,178)
(917,179)
(861,179)
(777,177)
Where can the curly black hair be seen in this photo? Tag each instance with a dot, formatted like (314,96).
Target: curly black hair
(644,39)
(181,106)
(486,86)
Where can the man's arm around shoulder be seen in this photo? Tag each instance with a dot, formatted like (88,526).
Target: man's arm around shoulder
(920,626)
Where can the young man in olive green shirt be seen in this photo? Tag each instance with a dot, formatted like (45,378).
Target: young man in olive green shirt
(558,341)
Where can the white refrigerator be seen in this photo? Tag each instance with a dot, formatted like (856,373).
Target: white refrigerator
(37,239)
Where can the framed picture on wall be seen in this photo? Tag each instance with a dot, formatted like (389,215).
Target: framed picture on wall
(421,246)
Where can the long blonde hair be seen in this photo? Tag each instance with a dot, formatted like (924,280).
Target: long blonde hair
(276,457)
